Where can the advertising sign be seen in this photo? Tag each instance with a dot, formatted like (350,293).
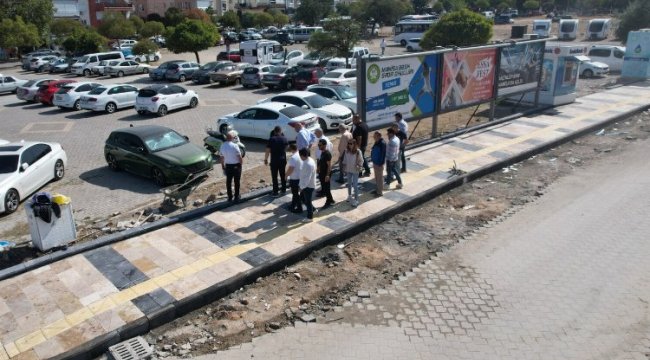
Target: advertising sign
(519,67)
(636,63)
(567,75)
(467,78)
(406,85)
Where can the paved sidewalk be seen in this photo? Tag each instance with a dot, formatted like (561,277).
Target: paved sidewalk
(90,300)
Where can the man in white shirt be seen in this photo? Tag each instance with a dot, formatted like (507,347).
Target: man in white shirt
(319,135)
(231,163)
(307,182)
(392,159)
(401,123)
(293,174)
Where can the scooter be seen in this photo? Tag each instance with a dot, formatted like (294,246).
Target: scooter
(215,139)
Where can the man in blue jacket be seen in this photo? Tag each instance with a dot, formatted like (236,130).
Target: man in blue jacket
(378,157)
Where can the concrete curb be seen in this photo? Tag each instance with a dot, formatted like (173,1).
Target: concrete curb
(96,347)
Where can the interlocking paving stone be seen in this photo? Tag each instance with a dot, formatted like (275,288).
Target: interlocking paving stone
(564,130)
(395,196)
(213,232)
(502,134)
(531,123)
(256,257)
(153,301)
(500,155)
(414,166)
(117,269)
(465,146)
(334,222)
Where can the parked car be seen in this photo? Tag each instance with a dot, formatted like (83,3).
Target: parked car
(353,55)
(181,71)
(26,59)
(269,32)
(27,91)
(161,98)
(45,93)
(156,152)
(590,69)
(608,54)
(37,63)
(160,72)
(308,76)
(314,59)
(155,56)
(69,95)
(100,69)
(3,141)
(330,115)
(280,76)
(233,56)
(202,75)
(293,57)
(109,98)
(25,167)
(252,76)
(230,36)
(128,67)
(60,65)
(258,121)
(347,77)
(342,95)
(502,19)
(10,83)
(413,44)
(283,38)
(229,74)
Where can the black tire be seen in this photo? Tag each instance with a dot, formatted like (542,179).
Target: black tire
(86,72)
(156,58)
(145,70)
(182,78)
(288,85)
(588,73)
(112,163)
(158,177)
(194,102)
(270,87)
(111,107)
(12,200)
(141,112)
(322,124)
(120,73)
(237,81)
(403,42)
(243,151)
(162,110)
(77,105)
(59,170)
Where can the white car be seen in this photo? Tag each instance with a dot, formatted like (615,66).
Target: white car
(101,68)
(353,55)
(608,54)
(346,77)
(69,95)
(28,90)
(160,98)
(330,115)
(10,83)
(3,141)
(593,68)
(109,98)
(37,63)
(127,67)
(258,121)
(413,44)
(25,167)
(342,95)
(145,57)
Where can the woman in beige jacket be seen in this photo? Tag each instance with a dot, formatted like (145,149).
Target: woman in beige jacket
(352,163)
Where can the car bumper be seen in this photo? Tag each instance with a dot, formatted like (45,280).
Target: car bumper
(253,82)
(64,101)
(152,108)
(77,71)
(335,123)
(201,79)
(92,106)
(29,96)
(154,76)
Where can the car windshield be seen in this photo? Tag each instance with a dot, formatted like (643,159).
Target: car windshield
(278,69)
(567,27)
(96,91)
(596,26)
(113,63)
(332,75)
(293,112)
(278,56)
(251,70)
(163,141)
(164,66)
(83,59)
(147,93)
(30,83)
(8,164)
(317,101)
(103,63)
(346,93)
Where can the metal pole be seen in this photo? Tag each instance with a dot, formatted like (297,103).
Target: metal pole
(539,78)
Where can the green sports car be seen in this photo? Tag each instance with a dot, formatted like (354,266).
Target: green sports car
(156,152)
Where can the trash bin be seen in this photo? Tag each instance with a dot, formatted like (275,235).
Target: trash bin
(518,31)
(50,228)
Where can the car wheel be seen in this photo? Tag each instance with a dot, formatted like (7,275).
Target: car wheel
(243,151)
(112,163)
(270,87)
(322,124)
(77,105)
(409,48)
(156,58)
(111,107)
(403,42)
(158,177)
(288,85)
(12,200)
(587,73)
(181,78)
(141,112)
(120,73)
(86,72)
(194,102)
(59,170)
(145,70)
(40,69)
(237,81)
(162,110)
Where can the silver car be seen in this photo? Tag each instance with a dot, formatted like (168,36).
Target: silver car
(109,98)
(252,76)
(28,90)
(10,83)
(339,94)
(101,68)
(128,67)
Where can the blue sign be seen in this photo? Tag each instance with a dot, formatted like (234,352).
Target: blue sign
(390,84)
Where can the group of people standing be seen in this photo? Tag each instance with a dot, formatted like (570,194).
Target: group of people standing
(299,171)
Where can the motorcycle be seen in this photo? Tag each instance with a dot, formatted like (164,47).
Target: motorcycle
(215,139)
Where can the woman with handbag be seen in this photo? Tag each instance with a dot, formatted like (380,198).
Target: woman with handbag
(352,165)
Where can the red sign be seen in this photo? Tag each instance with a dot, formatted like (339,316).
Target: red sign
(468,77)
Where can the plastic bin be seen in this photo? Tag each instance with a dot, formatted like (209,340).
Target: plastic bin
(518,31)
(58,233)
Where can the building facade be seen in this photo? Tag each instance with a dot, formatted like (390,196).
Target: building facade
(90,12)
(146,7)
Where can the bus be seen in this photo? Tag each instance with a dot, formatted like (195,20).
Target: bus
(409,29)
(418,17)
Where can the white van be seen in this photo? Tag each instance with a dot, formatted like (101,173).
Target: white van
(598,29)
(488,14)
(259,51)
(84,65)
(354,54)
(568,29)
(542,27)
(303,33)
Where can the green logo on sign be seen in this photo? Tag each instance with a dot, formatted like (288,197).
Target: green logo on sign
(373,73)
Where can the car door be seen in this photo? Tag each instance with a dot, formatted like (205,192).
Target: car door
(115,96)
(350,78)
(128,93)
(7,83)
(265,121)
(617,60)
(37,173)
(244,123)
(132,154)
(176,97)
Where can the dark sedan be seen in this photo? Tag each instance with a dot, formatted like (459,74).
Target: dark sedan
(159,73)
(202,75)
(156,152)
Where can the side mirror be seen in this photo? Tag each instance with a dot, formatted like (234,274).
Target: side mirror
(184,91)
(186,137)
(305,107)
(24,166)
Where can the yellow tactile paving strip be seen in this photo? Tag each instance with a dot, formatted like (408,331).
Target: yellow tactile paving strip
(58,307)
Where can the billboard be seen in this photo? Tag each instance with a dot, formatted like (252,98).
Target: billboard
(520,67)
(468,77)
(406,85)
(636,62)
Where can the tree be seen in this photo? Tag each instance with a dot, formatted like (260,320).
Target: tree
(115,26)
(173,16)
(454,5)
(230,19)
(247,20)
(482,4)
(198,14)
(62,28)
(279,19)
(155,17)
(310,12)
(419,6)
(385,11)
(531,5)
(152,28)
(437,7)
(17,34)
(459,28)
(192,35)
(338,39)
(37,12)
(137,22)
(263,20)
(635,17)
(145,47)
(85,42)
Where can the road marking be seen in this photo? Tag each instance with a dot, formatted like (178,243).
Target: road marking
(46,127)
